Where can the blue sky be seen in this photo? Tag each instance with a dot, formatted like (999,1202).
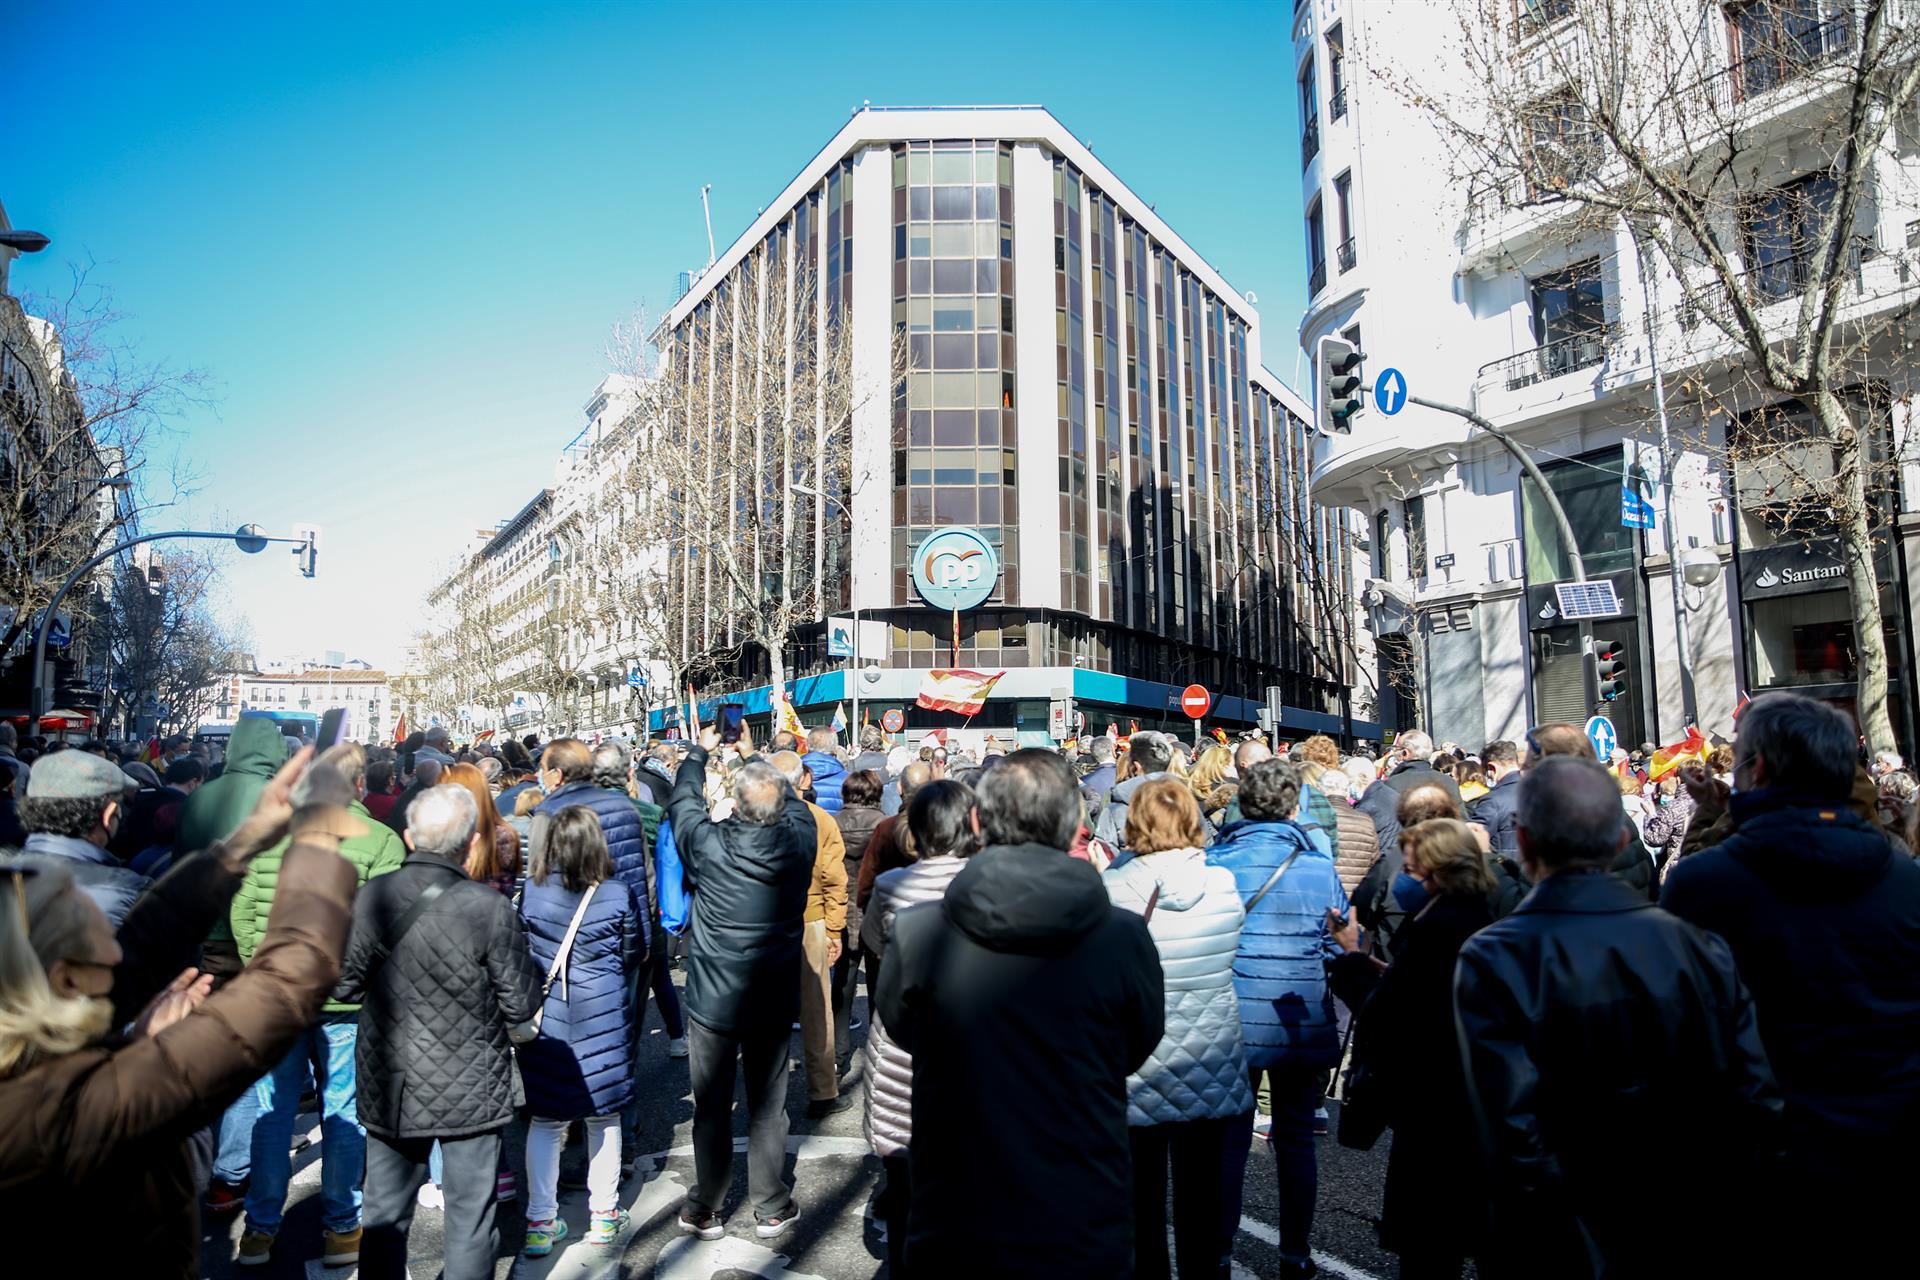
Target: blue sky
(396,236)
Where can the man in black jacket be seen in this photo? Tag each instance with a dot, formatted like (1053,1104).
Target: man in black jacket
(1823,915)
(1633,863)
(436,1016)
(1413,768)
(1495,810)
(1603,1040)
(1026,998)
(749,877)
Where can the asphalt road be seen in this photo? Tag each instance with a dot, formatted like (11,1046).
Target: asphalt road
(836,1237)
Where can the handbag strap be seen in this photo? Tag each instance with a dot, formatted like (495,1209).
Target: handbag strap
(1272,880)
(559,967)
(385,947)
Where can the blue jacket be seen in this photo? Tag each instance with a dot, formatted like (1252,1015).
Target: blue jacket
(509,797)
(98,874)
(582,1064)
(1279,973)
(1823,916)
(626,836)
(828,776)
(671,878)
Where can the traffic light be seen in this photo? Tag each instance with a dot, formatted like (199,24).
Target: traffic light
(1609,670)
(306,553)
(1337,375)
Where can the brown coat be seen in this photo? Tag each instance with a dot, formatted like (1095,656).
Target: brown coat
(827,900)
(94,1145)
(1356,844)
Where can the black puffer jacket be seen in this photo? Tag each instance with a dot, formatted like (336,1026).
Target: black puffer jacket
(749,885)
(433,1054)
(1026,998)
(1589,1014)
(857,824)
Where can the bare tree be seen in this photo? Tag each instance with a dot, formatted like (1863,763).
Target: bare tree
(1740,157)
(156,636)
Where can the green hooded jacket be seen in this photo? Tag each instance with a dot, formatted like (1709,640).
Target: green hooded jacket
(373,853)
(255,753)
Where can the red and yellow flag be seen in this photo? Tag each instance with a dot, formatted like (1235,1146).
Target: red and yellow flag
(962,691)
(1671,757)
(484,735)
(400,729)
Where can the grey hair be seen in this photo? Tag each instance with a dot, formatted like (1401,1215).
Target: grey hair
(610,765)
(1414,744)
(427,772)
(442,820)
(1809,746)
(821,738)
(760,792)
(1887,760)
(1101,750)
(8,736)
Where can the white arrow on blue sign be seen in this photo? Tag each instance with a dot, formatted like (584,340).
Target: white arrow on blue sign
(1390,391)
(1600,732)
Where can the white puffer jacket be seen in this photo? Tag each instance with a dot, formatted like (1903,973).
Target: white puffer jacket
(889,1119)
(1197,1071)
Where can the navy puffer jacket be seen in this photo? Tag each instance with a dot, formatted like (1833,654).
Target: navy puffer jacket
(625,832)
(582,1064)
(1279,973)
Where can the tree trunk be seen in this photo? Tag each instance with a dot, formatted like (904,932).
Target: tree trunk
(777,670)
(1856,548)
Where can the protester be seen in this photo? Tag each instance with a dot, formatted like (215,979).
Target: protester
(10,755)
(568,776)
(324,1052)
(1098,784)
(1591,1021)
(436,745)
(1356,846)
(1899,806)
(74,805)
(823,763)
(1634,864)
(1405,1049)
(380,794)
(1406,767)
(887,847)
(820,947)
(587,935)
(1287,1017)
(858,819)
(873,751)
(426,775)
(1494,810)
(1149,758)
(495,860)
(440,967)
(1192,1093)
(1214,784)
(1024,964)
(517,777)
(752,873)
(943,823)
(94,1124)
(1822,914)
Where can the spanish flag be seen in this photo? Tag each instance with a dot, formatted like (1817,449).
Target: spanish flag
(962,691)
(1669,758)
(400,729)
(484,735)
(785,718)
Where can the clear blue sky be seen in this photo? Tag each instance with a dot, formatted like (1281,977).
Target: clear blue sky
(396,235)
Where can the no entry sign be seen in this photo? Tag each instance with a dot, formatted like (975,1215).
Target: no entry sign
(1196,701)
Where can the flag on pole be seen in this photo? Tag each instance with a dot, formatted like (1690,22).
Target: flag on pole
(1671,757)
(785,718)
(839,717)
(1221,734)
(484,735)
(400,729)
(962,691)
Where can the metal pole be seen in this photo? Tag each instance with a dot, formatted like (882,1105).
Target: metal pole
(37,704)
(853,672)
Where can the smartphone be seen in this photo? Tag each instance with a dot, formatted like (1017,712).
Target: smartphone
(333,728)
(733,718)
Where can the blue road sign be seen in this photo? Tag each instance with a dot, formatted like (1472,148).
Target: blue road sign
(1601,734)
(635,680)
(1635,511)
(1390,391)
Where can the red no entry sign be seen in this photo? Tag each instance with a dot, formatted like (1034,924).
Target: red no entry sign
(894,721)
(1196,701)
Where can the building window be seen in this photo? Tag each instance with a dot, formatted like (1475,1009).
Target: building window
(1530,16)
(1589,491)
(1782,470)
(1563,147)
(1316,250)
(1382,559)
(1569,317)
(1309,116)
(1783,232)
(1772,41)
(1336,72)
(1343,205)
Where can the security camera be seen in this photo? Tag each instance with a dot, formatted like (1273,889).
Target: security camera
(1699,566)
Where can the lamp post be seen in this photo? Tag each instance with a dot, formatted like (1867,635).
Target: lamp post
(853,664)
(247,537)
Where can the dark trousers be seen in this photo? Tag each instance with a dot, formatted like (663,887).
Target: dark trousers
(1197,1150)
(1296,1092)
(846,983)
(712,1065)
(664,994)
(898,1200)
(395,1170)
(1431,1266)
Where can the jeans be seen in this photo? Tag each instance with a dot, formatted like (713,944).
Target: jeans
(1295,1092)
(664,993)
(816,1013)
(326,1048)
(545,1138)
(233,1140)
(711,1065)
(395,1169)
(1197,1149)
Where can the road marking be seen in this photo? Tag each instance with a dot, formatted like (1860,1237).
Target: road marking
(1328,1263)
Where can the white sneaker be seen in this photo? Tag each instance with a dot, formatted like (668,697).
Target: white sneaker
(677,1047)
(431,1197)
(1262,1124)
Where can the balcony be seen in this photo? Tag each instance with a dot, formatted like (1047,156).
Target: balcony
(1337,105)
(1775,280)
(1534,16)
(1317,278)
(1346,255)
(1567,354)
(1309,141)
(1770,60)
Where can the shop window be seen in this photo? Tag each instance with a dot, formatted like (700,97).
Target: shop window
(1589,489)
(1784,472)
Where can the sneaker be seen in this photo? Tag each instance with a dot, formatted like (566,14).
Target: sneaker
(225,1197)
(768,1228)
(431,1197)
(854,1024)
(677,1047)
(505,1189)
(607,1227)
(1262,1125)
(256,1249)
(542,1235)
(340,1248)
(1322,1122)
(824,1107)
(704,1223)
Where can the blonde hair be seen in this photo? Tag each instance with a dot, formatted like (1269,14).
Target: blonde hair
(46,922)
(527,801)
(1210,770)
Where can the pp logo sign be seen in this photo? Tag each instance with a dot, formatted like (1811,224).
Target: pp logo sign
(955,569)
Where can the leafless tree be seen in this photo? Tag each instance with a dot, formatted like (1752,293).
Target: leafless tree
(154,630)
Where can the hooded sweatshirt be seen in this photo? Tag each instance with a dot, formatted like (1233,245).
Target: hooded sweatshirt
(255,753)
(829,775)
(1026,998)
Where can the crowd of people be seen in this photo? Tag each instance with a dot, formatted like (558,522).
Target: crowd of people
(1098,982)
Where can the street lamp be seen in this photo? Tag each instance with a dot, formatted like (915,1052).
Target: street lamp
(248,537)
(853,664)
(23,241)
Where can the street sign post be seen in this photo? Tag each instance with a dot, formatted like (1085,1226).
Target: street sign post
(1601,733)
(1196,702)
(894,721)
(1390,391)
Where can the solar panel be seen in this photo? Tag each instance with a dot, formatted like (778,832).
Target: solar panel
(1587,600)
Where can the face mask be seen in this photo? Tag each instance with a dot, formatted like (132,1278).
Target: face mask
(1409,893)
